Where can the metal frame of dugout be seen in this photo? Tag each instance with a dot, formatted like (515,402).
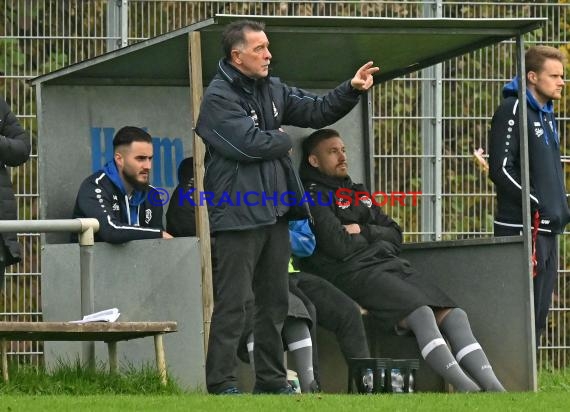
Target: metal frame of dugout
(158,83)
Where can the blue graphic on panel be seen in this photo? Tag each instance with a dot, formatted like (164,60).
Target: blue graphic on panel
(168,153)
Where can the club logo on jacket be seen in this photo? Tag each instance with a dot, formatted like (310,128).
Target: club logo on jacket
(538,131)
(115,207)
(365,200)
(254,118)
(343,203)
(147,216)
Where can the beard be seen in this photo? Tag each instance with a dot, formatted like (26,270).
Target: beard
(136,184)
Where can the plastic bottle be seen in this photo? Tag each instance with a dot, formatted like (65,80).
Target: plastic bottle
(397,381)
(411,383)
(368,380)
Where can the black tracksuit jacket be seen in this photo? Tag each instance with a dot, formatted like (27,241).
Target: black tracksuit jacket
(246,152)
(100,198)
(337,251)
(547,188)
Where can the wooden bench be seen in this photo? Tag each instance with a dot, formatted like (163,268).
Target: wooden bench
(108,332)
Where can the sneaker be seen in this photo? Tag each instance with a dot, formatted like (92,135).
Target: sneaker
(286,390)
(232,390)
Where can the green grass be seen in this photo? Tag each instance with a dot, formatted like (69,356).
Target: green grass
(556,401)
(73,379)
(72,388)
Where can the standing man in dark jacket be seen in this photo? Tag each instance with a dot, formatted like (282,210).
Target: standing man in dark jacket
(14,150)
(357,251)
(549,207)
(248,168)
(119,196)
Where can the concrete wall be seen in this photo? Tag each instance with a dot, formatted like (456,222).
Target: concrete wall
(77,125)
(147,280)
(487,279)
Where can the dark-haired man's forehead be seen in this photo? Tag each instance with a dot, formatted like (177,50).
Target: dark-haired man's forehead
(328,144)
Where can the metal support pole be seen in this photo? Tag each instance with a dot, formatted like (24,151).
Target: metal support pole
(86,242)
(124,22)
(87,299)
(432,147)
(525,184)
(117,24)
(113,24)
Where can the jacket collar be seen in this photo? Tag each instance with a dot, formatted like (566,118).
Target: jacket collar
(137,196)
(309,174)
(511,89)
(236,78)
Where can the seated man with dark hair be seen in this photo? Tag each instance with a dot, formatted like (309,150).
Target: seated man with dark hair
(180,215)
(357,250)
(118,195)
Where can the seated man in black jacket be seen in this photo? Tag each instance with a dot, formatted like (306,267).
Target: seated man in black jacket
(118,195)
(357,250)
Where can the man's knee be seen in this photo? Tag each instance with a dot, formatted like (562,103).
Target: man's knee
(351,315)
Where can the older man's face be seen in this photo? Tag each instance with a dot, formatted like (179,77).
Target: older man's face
(253,57)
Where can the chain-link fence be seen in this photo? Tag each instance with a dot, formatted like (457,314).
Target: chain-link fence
(425,125)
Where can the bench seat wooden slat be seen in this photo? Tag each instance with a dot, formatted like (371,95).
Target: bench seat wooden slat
(109,332)
(93,331)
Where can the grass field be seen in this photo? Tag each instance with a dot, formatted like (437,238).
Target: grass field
(556,401)
(73,389)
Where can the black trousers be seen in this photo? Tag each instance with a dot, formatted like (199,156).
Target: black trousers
(247,261)
(546,274)
(335,312)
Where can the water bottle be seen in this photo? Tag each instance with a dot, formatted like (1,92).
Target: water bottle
(411,382)
(368,380)
(397,381)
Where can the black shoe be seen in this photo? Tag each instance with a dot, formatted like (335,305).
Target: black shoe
(232,390)
(286,390)
(314,387)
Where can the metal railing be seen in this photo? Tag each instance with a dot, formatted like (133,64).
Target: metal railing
(86,228)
